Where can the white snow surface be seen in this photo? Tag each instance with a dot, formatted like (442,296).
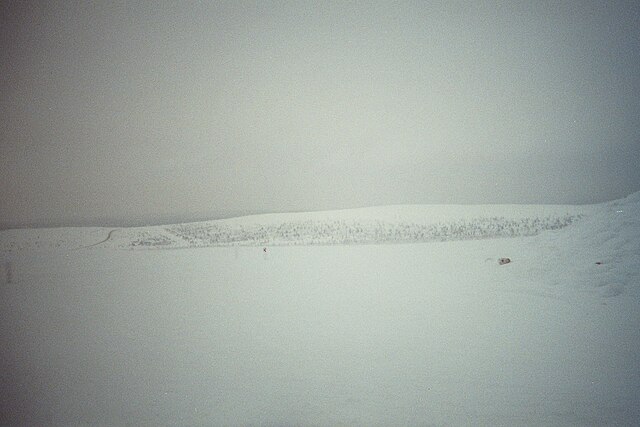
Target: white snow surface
(312,332)
(383,224)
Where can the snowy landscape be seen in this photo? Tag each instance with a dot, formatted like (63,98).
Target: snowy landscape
(397,315)
(330,213)
(385,224)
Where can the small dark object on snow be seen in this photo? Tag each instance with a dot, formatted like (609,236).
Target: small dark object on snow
(264,250)
(598,262)
(503,261)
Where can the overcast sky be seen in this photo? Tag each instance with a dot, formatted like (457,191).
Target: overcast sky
(130,112)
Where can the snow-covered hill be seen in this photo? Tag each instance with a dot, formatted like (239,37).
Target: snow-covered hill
(387,224)
(434,333)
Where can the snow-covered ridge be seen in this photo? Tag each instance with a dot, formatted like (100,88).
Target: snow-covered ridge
(384,224)
(341,231)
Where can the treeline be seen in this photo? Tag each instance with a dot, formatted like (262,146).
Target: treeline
(323,232)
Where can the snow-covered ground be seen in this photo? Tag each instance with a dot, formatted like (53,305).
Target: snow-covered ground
(424,333)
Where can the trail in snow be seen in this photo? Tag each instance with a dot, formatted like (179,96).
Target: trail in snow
(109,236)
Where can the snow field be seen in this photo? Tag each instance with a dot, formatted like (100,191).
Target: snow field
(413,334)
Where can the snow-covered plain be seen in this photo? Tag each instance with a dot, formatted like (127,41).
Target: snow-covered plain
(315,332)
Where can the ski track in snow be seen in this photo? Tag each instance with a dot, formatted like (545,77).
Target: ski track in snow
(109,236)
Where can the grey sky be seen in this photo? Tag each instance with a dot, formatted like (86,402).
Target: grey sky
(153,111)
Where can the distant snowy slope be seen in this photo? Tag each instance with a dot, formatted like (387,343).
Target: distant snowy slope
(386,224)
(51,238)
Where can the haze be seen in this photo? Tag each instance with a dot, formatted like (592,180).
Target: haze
(148,112)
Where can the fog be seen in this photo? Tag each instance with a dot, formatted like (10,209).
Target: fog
(164,112)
